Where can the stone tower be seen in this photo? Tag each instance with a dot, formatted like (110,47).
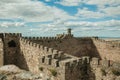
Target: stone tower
(69,31)
(11,47)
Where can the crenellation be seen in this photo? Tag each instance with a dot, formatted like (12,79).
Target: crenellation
(37,38)
(41,47)
(50,38)
(45,50)
(75,62)
(55,63)
(95,62)
(38,46)
(64,54)
(79,61)
(61,54)
(67,64)
(71,63)
(41,38)
(53,38)
(27,42)
(13,34)
(50,56)
(105,63)
(30,38)
(55,56)
(116,45)
(31,43)
(34,44)
(47,61)
(50,50)
(87,58)
(55,51)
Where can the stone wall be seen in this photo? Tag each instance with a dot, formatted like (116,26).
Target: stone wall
(28,57)
(30,54)
(108,49)
(104,69)
(89,46)
(1,53)
(11,47)
(74,46)
(33,55)
(67,67)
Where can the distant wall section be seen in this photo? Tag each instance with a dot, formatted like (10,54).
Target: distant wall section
(108,49)
(75,46)
(1,53)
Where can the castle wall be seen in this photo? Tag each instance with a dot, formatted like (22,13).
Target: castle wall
(74,46)
(28,58)
(69,68)
(30,54)
(50,69)
(92,47)
(73,70)
(1,52)
(108,49)
(11,47)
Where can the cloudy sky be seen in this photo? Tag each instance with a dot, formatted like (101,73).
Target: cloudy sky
(49,17)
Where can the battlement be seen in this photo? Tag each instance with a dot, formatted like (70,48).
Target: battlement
(41,38)
(97,62)
(45,49)
(72,63)
(25,41)
(55,58)
(113,44)
(61,59)
(93,37)
(58,37)
(11,34)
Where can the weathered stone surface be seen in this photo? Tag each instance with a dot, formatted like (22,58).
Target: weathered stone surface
(63,54)
(1,52)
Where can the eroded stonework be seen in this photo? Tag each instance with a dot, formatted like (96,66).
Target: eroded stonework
(63,57)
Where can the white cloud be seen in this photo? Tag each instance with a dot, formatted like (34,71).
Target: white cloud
(70,2)
(12,24)
(110,23)
(31,11)
(100,3)
(79,26)
(100,13)
(111,11)
(89,14)
(103,2)
(105,8)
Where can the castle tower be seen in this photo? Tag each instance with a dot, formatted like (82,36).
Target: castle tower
(11,47)
(69,31)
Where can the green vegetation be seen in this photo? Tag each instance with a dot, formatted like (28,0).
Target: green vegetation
(53,72)
(103,72)
(116,72)
(3,77)
(41,68)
